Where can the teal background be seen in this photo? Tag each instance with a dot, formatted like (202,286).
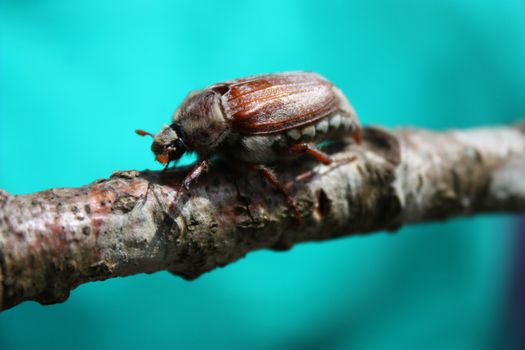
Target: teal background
(77,77)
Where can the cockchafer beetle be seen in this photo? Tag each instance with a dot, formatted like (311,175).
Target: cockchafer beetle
(257,120)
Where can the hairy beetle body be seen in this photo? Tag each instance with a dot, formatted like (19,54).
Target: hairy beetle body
(258,120)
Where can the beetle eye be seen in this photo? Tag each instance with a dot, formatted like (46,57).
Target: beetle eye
(176,149)
(157,147)
(178,153)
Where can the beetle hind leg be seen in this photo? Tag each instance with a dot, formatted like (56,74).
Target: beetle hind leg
(301,148)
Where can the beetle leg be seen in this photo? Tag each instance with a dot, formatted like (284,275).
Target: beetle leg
(301,148)
(357,136)
(272,178)
(197,171)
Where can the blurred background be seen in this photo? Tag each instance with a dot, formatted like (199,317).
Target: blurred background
(77,77)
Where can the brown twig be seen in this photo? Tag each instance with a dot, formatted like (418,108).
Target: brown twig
(54,240)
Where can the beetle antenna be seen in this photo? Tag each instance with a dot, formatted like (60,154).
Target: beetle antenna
(143,133)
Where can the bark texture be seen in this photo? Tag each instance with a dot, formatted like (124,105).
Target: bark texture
(52,241)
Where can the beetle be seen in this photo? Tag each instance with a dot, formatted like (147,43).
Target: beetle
(257,120)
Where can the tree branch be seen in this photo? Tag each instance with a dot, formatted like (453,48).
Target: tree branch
(52,241)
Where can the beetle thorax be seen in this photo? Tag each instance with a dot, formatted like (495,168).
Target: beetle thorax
(202,119)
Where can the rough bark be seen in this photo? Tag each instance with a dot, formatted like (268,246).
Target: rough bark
(52,241)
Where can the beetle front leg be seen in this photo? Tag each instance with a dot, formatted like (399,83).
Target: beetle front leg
(197,171)
(301,148)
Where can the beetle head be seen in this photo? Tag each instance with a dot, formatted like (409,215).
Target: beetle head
(168,145)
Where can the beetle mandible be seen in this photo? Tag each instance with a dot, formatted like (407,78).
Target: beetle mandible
(257,120)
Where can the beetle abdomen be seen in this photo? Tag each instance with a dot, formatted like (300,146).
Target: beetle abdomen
(333,126)
(274,148)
